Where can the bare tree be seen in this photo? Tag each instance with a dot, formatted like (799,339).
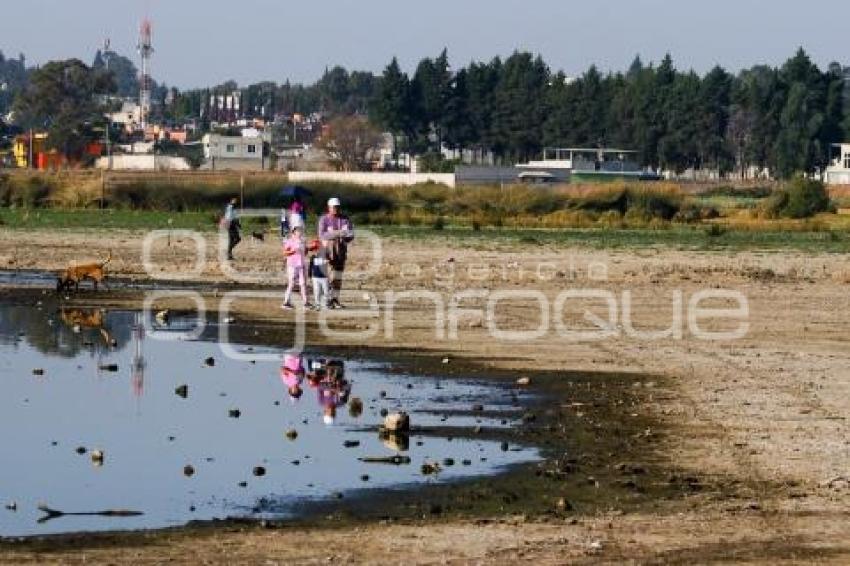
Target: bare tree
(349,141)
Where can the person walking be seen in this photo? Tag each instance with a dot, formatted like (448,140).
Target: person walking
(336,233)
(231,221)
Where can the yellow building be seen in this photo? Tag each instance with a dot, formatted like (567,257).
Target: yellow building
(21,149)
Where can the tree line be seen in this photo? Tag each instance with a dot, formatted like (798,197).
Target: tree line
(782,119)
(777,118)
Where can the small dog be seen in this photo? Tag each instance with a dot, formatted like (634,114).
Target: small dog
(76,273)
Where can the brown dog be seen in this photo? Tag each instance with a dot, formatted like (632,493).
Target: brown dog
(76,273)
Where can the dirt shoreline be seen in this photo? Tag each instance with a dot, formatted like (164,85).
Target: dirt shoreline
(760,422)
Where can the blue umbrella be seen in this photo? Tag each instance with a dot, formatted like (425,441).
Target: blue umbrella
(293,191)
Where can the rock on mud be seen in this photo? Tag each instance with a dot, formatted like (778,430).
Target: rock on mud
(397,422)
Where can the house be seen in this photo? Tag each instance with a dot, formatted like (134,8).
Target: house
(128,117)
(838,171)
(245,152)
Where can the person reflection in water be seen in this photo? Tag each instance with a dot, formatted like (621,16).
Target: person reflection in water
(292,374)
(328,378)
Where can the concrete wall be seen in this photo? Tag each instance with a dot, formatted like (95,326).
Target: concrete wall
(143,163)
(377,179)
(234,164)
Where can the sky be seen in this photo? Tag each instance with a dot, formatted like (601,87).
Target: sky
(206,42)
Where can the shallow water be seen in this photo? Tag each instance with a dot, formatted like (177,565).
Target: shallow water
(148,433)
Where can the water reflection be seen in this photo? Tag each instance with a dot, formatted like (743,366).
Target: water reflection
(63,332)
(285,408)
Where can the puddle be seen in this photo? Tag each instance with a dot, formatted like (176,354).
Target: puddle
(105,386)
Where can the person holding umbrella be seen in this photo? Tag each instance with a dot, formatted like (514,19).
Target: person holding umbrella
(336,232)
(294,214)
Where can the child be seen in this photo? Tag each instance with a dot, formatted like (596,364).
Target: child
(295,250)
(319,274)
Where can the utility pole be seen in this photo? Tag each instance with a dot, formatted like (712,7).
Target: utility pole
(106,44)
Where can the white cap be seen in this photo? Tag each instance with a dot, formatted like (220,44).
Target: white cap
(333,202)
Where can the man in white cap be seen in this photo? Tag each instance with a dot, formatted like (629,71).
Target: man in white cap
(337,232)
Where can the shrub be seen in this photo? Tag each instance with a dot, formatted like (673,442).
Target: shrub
(801,198)
(773,206)
(806,198)
(654,203)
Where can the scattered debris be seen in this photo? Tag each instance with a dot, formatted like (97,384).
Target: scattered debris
(188,471)
(12,506)
(396,460)
(355,407)
(259,471)
(108,367)
(234,413)
(523,381)
(292,434)
(209,362)
(38,371)
(351,443)
(429,468)
(97,458)
(182,391)
(81,450)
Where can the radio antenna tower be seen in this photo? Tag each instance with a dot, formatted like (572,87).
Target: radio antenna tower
(145,51)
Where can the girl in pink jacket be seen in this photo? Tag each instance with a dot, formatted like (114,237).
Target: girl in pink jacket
(295,252)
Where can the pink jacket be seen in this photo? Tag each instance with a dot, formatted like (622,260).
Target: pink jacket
(299,246)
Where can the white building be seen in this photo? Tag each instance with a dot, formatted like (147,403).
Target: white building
(129,117)
(234,152)
(838,172)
